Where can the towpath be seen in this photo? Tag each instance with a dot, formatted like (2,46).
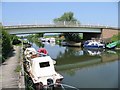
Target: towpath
(8,76)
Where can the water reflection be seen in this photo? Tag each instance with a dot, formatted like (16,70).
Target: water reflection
(50,43)
(110,55)
(73,56)
(85,68)
(104,75)
(94,52)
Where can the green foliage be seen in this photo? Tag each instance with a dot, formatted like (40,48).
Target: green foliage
(33,36)
(39,35)
(75,37)
(67,16)
(118,45)
(14,37)
(35,39)
(15,40)
(18,68)
(116,38)
(6,44)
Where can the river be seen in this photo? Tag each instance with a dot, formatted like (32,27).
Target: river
(84,68)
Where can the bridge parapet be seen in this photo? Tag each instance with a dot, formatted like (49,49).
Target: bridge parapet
(56,25)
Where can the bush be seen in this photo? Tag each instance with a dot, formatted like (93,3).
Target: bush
(116,38)
(6,45)
(118,45)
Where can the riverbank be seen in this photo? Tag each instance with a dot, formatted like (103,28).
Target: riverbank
(9,78)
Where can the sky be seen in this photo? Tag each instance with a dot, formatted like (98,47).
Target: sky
(60,0)
(102,13)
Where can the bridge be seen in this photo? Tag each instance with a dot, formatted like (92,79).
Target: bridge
(87,30)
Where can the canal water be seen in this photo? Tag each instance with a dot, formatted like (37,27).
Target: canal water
(83,68)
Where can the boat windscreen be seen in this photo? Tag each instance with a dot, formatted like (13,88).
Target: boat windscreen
(44,64)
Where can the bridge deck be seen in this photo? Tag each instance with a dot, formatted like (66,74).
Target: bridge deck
(25,29)
(52,25)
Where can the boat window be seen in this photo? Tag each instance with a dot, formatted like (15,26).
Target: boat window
(44,64)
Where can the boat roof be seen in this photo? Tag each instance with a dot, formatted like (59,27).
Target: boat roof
(41,59)
(42,66)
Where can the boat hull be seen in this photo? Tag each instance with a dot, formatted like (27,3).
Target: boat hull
(92,47)
(113,47)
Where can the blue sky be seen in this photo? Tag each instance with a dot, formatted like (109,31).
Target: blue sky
(103,13)
(60,0)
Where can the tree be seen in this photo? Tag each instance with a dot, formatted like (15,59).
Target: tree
(69,18)
(75,37)
(6,44)
(15,39)
(34,38)
(38,35)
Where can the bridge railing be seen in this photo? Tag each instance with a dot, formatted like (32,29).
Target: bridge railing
(57,24)
(67,23)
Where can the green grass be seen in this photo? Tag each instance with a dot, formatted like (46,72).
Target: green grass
(18,68)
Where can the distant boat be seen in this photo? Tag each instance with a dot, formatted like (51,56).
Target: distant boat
(93,44)
(64,43)
(112,45)
(50,40)
(43,39)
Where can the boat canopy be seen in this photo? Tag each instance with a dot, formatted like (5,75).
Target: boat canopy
(43,50)
(43,66)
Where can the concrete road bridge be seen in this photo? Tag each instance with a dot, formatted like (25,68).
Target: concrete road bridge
(87,30)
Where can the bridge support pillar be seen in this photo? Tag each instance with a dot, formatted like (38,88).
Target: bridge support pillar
(108,33)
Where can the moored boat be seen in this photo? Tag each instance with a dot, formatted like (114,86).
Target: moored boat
(93,44)
(112,45)
(41,69)
(64,43)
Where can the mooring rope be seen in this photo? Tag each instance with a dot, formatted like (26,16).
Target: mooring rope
(70,86)
(62,86)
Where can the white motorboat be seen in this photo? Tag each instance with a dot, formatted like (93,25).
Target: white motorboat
(42,72)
